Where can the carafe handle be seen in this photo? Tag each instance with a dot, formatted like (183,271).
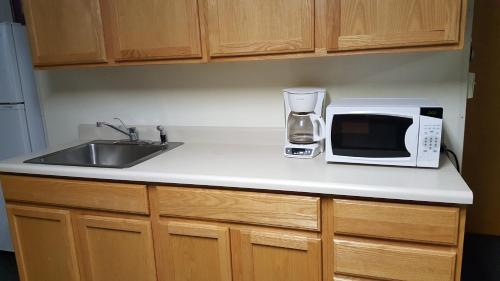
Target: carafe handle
(317,121)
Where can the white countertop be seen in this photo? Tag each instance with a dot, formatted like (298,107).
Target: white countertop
(264,167)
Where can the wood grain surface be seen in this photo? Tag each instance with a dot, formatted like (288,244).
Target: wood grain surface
(119,197)
(301,212)
(407,222)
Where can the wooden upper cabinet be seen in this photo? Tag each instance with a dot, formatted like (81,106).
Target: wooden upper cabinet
(193,251)
(370,24)
(44,243)
(116,248)
(65,31)
(253,27)
(262,255)
(130,32)
(147,30)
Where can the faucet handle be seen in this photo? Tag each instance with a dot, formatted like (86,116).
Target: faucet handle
(134,133)
(121,121)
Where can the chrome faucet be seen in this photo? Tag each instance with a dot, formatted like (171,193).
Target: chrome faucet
(131,132)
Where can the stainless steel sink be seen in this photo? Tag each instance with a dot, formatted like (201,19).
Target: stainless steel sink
(105,154)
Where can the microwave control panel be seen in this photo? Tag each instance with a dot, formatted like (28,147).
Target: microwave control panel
(432,138)
(429,146)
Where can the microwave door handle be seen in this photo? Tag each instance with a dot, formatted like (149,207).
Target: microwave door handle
(409,139)
(319,127)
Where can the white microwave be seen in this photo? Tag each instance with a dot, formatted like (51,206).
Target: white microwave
(400,132)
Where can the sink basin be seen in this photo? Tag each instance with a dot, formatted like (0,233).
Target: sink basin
(105,154)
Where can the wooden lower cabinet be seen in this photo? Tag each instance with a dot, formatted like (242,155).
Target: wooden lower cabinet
(394,241)
(204,251)
(263,255)
(224,235)
(116,248)
(191,251)
(44,243)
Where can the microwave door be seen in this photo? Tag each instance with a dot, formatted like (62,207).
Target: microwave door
(374,138)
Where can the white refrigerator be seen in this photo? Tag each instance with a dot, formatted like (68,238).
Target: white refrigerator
(21,124)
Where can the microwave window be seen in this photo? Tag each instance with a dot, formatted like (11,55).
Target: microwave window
(370,135)
(352,127)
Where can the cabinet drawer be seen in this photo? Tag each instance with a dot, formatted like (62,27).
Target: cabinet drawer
(129,198)
(393,260)
(397,221)
(291,211)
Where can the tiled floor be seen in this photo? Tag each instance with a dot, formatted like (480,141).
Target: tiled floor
(481,260)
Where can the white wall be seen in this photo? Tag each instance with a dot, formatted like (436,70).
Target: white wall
(244,94)
(5,13)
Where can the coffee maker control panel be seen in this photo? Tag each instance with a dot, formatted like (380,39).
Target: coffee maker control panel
(299,151)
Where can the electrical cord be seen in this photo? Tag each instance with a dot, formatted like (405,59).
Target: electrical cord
(445,149)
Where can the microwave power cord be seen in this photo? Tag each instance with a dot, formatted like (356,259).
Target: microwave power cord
(445,149)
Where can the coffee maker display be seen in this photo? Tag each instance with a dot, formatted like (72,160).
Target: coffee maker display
(305,126)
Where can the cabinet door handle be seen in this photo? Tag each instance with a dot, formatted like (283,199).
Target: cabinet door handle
(197,230)
(280,240)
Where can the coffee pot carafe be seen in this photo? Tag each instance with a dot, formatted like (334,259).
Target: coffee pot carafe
(305,128)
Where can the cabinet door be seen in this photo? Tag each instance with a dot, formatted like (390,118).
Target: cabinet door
(249,27)
(193,252)
(44,243)
(144,30)
(65,31)
(116,249)
(275,256)
(366,24)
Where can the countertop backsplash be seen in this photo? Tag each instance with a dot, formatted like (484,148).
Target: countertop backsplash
(192,134)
